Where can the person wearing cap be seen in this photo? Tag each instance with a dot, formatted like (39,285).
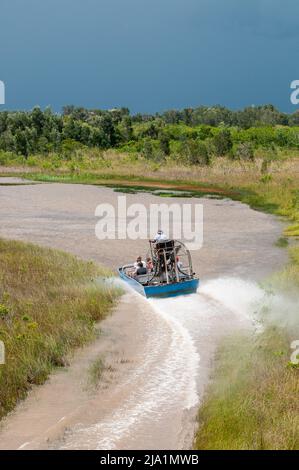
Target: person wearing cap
(160,236)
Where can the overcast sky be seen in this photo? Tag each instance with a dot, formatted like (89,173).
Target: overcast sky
(148,55)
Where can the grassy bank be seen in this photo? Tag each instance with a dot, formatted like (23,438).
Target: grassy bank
(252,400)
(49,304)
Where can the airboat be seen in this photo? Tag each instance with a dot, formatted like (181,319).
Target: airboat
(171,273)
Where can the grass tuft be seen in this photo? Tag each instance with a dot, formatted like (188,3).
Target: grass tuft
(282,242)
(95,372)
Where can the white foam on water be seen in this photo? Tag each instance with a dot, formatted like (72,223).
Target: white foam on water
(253,303)
(166,379)
(241,297)
(168,376)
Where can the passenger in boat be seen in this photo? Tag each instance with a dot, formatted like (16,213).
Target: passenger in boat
(149,265)
(140,269)
(139,260)
(179,263)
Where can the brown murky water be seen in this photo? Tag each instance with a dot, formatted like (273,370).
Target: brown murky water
(159,352)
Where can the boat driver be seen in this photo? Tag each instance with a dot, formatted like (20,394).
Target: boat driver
(160,236)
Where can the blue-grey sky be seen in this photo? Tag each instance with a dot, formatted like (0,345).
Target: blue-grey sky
(148,55)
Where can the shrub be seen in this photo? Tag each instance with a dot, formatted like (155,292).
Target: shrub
(196,152)
(148,149)
(245,151)
(165,144)
(222,142)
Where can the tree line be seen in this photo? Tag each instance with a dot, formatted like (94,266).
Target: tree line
(192,133)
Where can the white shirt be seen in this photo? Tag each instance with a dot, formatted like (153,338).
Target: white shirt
(136,264)
(160,237)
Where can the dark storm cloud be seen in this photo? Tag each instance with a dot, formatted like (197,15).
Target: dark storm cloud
(148,55)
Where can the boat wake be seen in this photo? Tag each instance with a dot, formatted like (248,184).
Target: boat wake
(181,335)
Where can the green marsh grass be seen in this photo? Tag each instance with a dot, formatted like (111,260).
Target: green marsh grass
(252,401)
(49,305)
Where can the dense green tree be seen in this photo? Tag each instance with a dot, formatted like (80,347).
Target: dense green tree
(196,152)
(222,142)
(39,131)
(109,130)
(38,120)
(164,143)
(171,117)
(151,130)
(126,129)
(148,149)
(21,144)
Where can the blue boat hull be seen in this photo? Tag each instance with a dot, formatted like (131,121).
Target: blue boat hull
(163,290)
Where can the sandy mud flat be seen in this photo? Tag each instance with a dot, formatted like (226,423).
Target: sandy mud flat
(158,353)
